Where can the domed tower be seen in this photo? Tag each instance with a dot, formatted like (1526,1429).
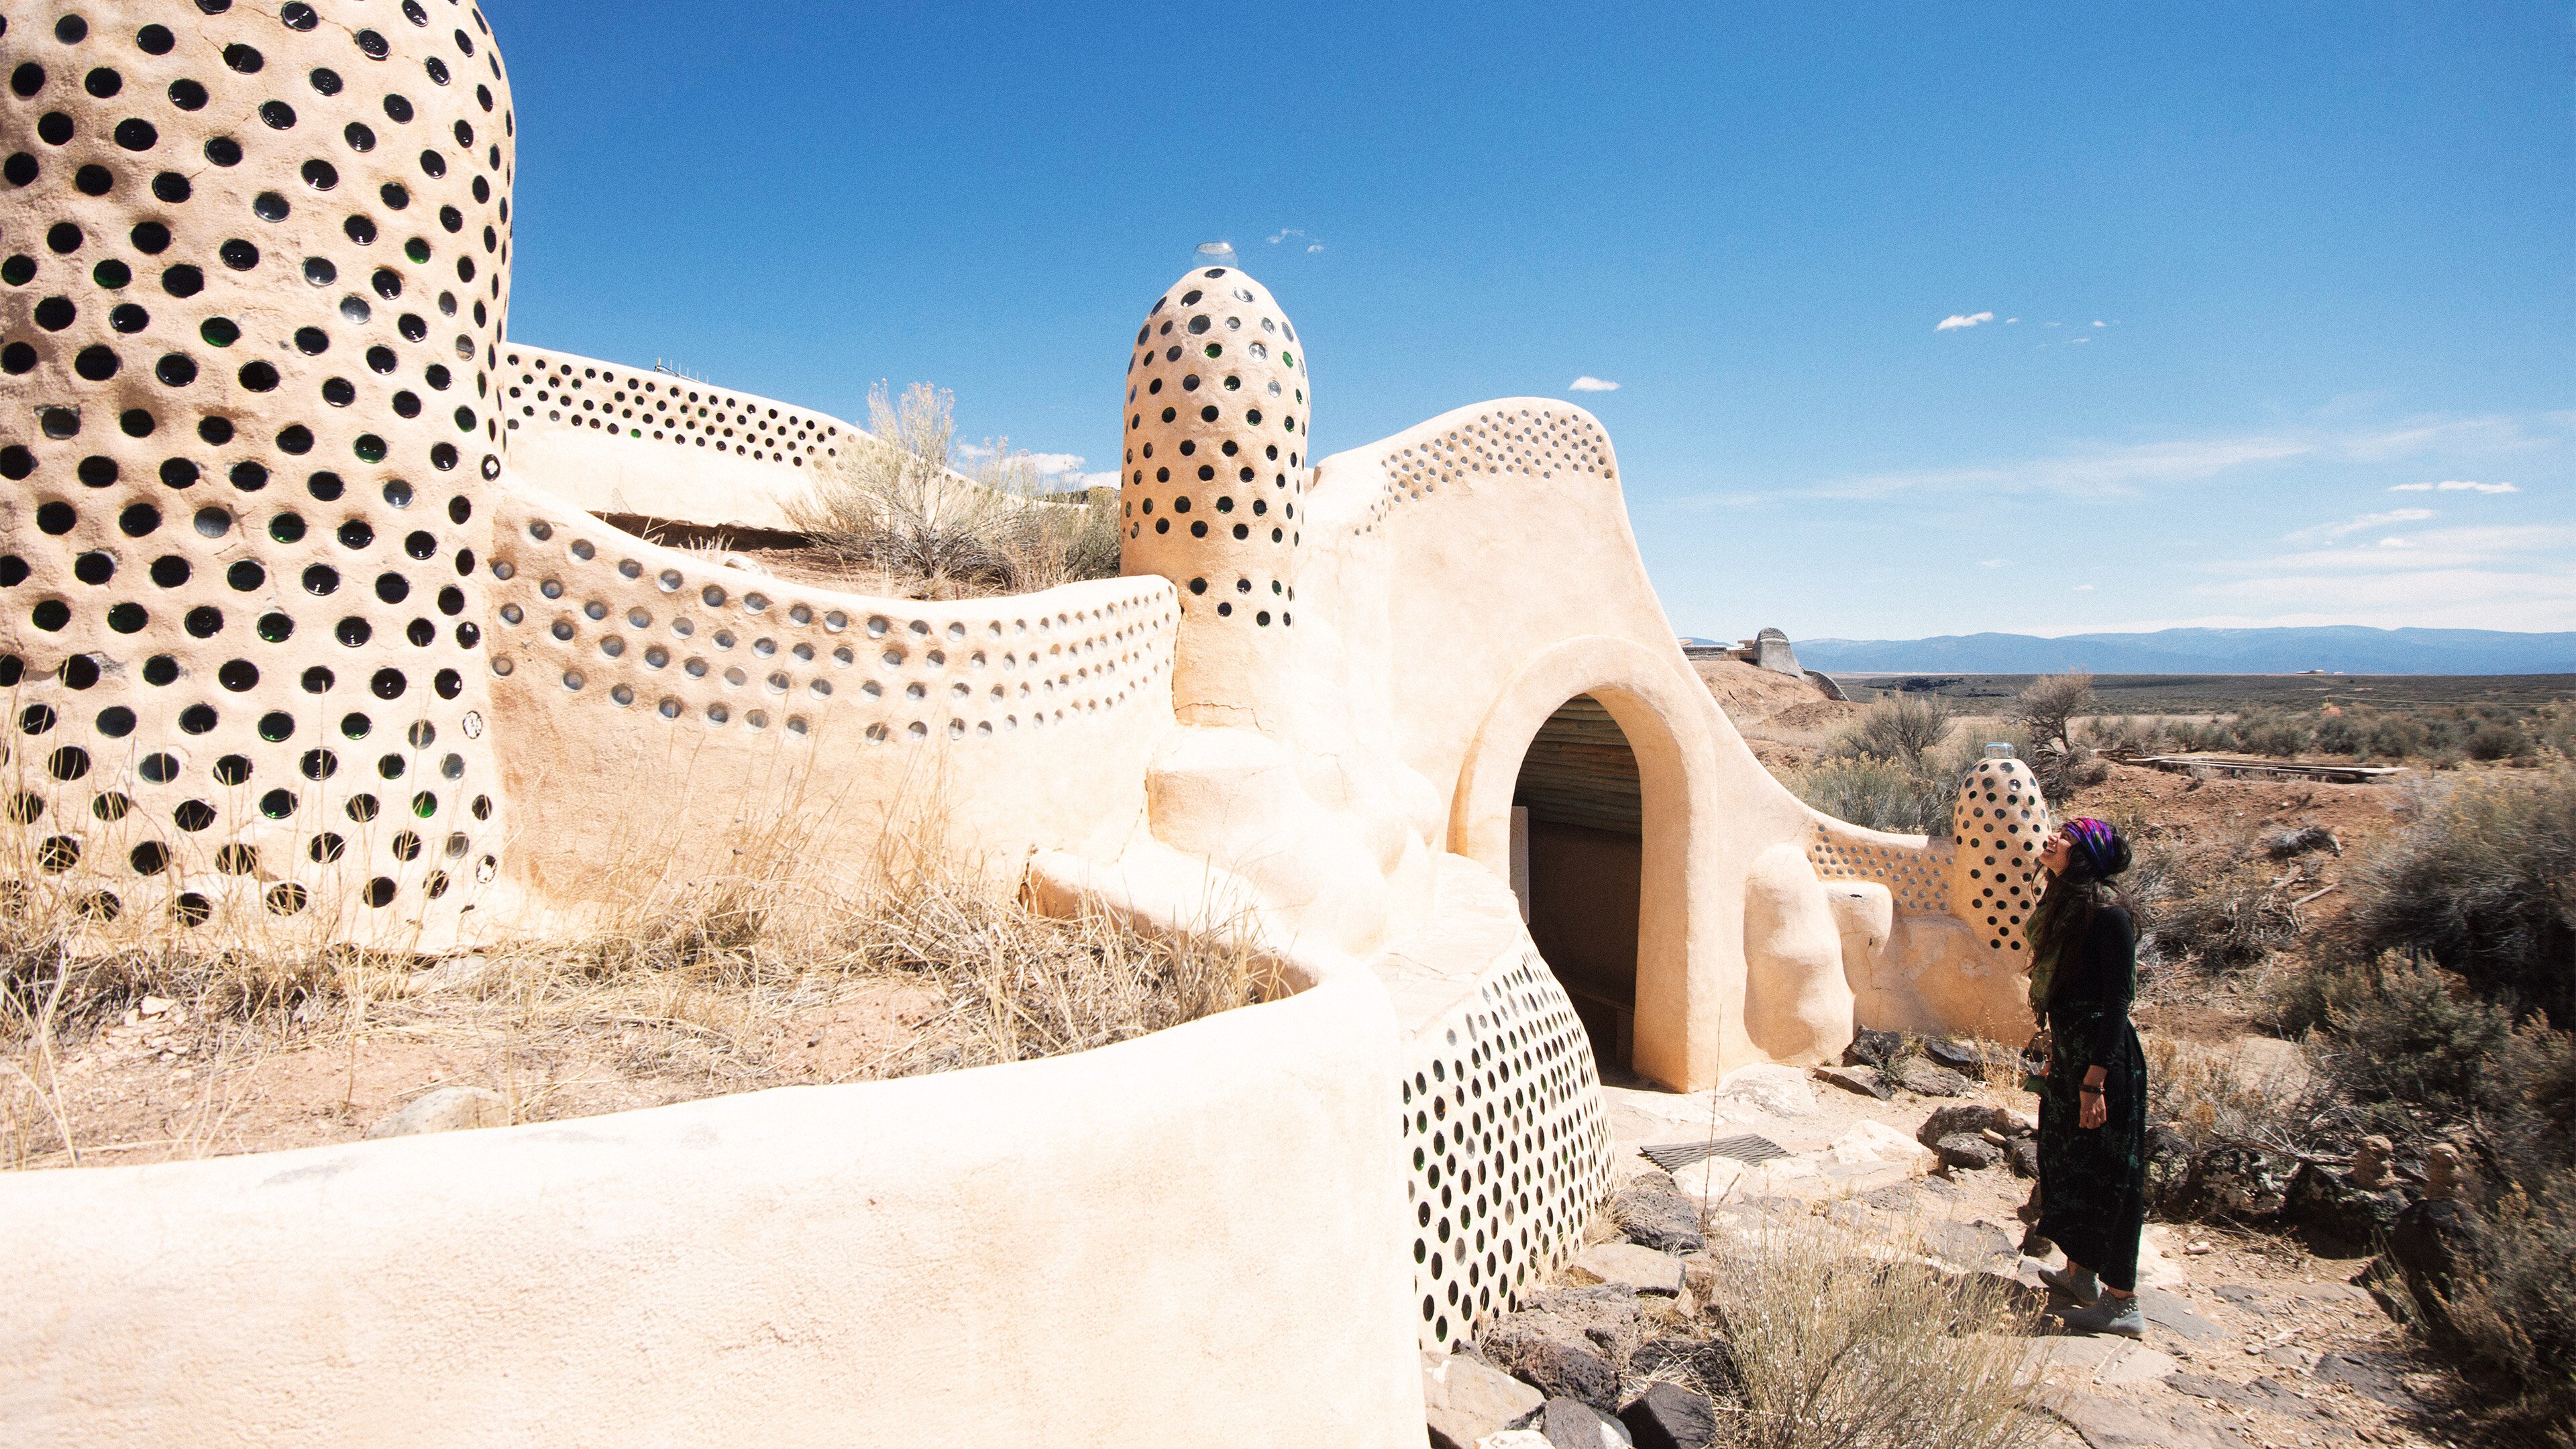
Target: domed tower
(1215,468)
(257,263)
(1996,829)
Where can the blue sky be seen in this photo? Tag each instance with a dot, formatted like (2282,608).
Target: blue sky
(2263,314)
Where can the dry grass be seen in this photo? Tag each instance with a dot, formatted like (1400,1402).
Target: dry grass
(1845,1344)
(897,510)
(690,988)
(2215,1096)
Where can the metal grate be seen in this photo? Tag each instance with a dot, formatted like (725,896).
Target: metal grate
(1674,1156)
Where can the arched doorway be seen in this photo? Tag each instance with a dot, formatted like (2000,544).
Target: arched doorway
(1578,862)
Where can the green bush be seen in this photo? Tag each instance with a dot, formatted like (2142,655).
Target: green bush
(1899,727)
(1878,794)
(2412,1034)
(2484,881)
(2498,740)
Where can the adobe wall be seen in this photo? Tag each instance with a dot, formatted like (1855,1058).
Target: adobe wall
(1199,1236)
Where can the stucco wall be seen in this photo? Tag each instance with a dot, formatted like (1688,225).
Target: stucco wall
(1199,1237)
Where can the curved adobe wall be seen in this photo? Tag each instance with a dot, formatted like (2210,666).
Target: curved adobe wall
(1087,1251)
(612,439)
(663,710)
(258,270)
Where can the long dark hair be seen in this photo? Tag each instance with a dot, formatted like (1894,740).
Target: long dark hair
(2077,896)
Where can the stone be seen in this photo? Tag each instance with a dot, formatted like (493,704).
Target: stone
(2370,1170)
(2239,1182)
(156,1005)
(1654,1213)
(1872,1048)
(2448,1175)
(1607,1314)
(449,1109)
(2363,1377)
(2022,1155)
(1630,1266)
(2285,843)
(1515,1439)
(2134,1364)
(1465,1400)
(2171,1313)
(1705,1364)
(1970,1245)
(2107,1423)
(1668,1416)
(1974,1154)
(2433,1245)
(1969,1057)
(2168,1161)
(1864,1080)
(1573,1424)
(2328,1202)
(2267,1394)
(1873,1143)
(1925,1078)
(1778,1090)
(1554,1356)
(1971,1117)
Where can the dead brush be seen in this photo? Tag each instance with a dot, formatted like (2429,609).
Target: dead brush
(1848,1341)
(2214,1097)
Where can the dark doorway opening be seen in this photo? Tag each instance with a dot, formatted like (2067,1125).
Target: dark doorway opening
(1579,859)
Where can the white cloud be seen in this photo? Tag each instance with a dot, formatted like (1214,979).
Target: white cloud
(2475,578)
(1962,319)
(2128,469)
(2083,588)
(1589,383)
(2098,322)
(1311,245)
(2455,486)
(2327,531)
(2008,321)
(1992,563)
(2079,341)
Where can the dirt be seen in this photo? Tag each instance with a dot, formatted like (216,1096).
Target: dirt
(171,1086)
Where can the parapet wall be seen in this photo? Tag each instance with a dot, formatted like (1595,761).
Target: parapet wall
(1197,1237)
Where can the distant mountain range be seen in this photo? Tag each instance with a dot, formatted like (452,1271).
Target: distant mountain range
(2343,650)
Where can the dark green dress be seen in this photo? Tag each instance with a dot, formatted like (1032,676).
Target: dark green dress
(2092,1185)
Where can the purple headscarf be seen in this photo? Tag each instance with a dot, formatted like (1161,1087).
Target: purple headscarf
(2100,844)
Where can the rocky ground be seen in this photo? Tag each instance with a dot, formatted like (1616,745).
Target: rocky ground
(2254,1339)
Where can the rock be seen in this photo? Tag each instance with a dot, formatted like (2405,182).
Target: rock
(1970,1245)
(1515,1439)
(2433,1245)
(2330,1204)
(1668,1416)
(1864,1080)
(2365,1378)
(2266,1394)
(2168,1171)
(1916,1075)
(1653,1212)
(2173,1314)
(1960,1056)
(1778,1090)
(1464,1401)
(2239,1182)
(2284,844)
(1640,1269)
(156,1005)
(2370,1170)
(1555,1356)
(2022,1155)
(1973,1153)
(1707,1364)
(1872,1048)
(1607,1315)
(1970,1117)
(2134,1364)
(2120,1424)
(1573,1424)
(2448,1174)
(449,1109)
(1870,1143)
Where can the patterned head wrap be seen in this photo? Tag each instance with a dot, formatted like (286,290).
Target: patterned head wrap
(2101,845)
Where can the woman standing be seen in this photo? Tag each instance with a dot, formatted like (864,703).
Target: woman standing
(2093,1110)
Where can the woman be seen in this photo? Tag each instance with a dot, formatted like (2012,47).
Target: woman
(2093,1108)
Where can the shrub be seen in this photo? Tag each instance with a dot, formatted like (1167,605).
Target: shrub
(898,505)
(2211,903)
(2410,1033)
(2482,882)
(1900,727)
(2515,1312)
(1841,1344)
(2050,702)
(2279,736)
(1876,794)
(2498,740)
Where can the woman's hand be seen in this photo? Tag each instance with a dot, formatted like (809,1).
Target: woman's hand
(2093,1111)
